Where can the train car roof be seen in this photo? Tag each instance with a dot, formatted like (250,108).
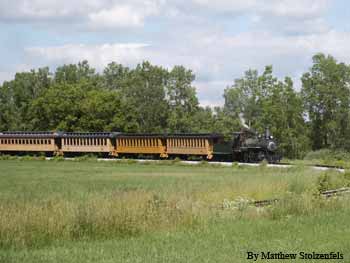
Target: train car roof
(165,135)
(25,134)
(21,134)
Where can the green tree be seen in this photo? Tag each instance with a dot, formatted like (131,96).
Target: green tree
(266,102)
(116,76)
(145,94)
(75,73)
(59,108)
(182,100)
(16,96)
(326,98)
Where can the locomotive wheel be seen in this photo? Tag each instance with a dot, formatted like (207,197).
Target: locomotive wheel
(262,156)
(252,157)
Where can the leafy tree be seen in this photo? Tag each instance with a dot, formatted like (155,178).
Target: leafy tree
(182,100)
(145,93)
(267,102)
(115,76)
(73,74)
(59,108)
(16,96)
(104,111)
(326,98)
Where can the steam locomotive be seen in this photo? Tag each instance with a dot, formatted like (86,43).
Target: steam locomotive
(249,146)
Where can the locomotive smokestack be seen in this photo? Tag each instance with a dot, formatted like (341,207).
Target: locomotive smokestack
(267,132)
(241,118)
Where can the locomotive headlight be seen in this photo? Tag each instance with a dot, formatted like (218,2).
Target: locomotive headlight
(271,146)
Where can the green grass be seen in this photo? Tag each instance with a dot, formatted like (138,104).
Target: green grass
(90,211)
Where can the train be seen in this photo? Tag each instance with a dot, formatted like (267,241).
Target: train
(244,146)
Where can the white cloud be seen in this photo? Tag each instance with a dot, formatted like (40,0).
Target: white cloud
(91,13)
(200,34)
(124,15)
(98,55)
(295,8)
(216,59)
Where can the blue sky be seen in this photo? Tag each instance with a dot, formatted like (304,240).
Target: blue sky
(218,40)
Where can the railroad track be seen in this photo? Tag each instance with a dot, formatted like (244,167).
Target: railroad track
(326,194)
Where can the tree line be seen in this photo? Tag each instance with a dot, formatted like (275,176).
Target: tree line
(153,99)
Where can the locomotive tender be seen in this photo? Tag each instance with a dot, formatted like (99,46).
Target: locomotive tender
(246,145)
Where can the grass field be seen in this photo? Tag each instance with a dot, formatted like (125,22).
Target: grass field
(89,211)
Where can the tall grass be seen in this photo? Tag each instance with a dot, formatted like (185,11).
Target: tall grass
(99,217)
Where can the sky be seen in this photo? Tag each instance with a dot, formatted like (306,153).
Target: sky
(219,40)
